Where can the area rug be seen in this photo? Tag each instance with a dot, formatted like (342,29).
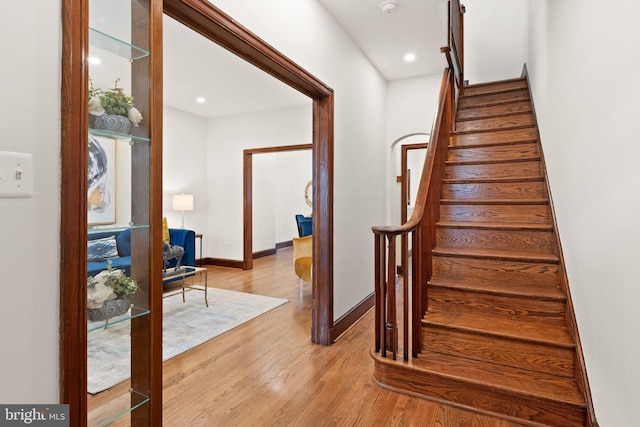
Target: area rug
(185,325)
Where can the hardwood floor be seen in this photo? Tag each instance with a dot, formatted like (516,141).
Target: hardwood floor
(267,373)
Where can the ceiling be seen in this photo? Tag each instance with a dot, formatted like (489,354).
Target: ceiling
(417,26)
(195,67)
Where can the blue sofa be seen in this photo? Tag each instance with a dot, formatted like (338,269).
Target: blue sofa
(179,237)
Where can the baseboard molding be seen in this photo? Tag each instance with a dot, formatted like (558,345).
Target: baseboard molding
(349,318)
(283,245)
(264,253)
(220,262)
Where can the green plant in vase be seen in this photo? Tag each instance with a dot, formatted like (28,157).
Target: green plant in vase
(109,293)
(112,109)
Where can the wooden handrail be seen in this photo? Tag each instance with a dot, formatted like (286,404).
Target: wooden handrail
(421,226)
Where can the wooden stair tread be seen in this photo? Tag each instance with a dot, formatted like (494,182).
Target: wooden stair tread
(491,162)
(491,180)
(549,333)
(505,378)
(494,201)
(493,87)
(505,144)
(507,255)
(514,125)
(474,113)
(532,291)
(496,225)
(493,98)
(496,137)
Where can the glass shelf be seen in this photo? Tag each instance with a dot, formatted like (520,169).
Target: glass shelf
(131,314)
(114,229)
(134,138)
(115,46)
(116,408)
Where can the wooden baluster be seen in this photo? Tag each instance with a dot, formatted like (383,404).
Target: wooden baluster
(379,276)
(416,273)
(405,303)
(391,323)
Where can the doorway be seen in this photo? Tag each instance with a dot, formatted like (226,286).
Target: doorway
(204,18)
(247,261)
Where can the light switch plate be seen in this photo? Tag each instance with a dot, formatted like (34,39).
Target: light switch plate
(16,174)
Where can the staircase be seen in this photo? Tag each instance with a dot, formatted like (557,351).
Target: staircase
(495,336)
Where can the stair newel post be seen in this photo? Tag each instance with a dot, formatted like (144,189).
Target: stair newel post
(379,288)
(391,324)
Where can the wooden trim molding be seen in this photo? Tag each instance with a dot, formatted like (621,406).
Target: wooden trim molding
(352,316)
(264,253)
(146,342)
(209,21)
(247,195)
(282,245)
(73,200)
(221,262)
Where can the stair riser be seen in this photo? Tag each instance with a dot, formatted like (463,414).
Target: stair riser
(483,304)
(513,170)
(475,395)
(496,110)
(506,190)
(493,99)
(495,87)
(499,274)
(528,151)
(498,123)
(498,137)
(542,242)
(507,214)
(518,354)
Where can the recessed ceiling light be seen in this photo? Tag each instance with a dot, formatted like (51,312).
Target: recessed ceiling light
(409,57)
(94,60)
(200,100)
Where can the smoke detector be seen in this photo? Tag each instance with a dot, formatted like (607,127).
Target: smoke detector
(389,6)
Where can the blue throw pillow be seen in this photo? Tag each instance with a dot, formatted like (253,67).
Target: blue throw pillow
(102,249)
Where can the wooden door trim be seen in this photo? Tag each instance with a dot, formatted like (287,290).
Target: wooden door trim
(247,195)
(404,188)
(209,21)
(73,212)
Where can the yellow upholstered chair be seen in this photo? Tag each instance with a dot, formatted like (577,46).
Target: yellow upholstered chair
(303,257)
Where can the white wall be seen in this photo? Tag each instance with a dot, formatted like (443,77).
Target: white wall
(279,180)
(580,57)
(264,203)
(411,106)
(29,324)
(293,172)
(304,31)
(227,138)
(184,169)
(495,34)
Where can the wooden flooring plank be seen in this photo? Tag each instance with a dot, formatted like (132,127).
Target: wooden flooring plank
(268,373)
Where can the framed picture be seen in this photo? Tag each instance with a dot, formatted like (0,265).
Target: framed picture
(101,191)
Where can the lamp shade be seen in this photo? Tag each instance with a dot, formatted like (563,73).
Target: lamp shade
(182,202)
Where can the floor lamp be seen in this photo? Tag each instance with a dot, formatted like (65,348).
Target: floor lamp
(183,202)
